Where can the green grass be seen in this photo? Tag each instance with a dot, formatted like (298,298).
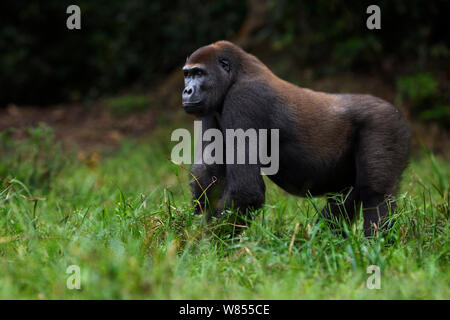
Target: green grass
(127,104)
(127,222)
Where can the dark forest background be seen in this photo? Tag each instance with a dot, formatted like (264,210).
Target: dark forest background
(127,56)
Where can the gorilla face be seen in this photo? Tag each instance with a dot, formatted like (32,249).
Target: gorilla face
(205,85)
(196,87)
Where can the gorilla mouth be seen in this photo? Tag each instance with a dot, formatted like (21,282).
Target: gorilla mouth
(192,104)
(193,107)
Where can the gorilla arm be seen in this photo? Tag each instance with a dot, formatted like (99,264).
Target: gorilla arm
(244,185)
(209,178)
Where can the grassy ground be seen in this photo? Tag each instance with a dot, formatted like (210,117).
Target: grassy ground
(126,221)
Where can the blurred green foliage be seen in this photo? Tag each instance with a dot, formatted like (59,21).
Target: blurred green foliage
(129,224)
(120,43)
(137,43)
(421,90)
(127,104)
(334,32)
(418,87)
(34,160)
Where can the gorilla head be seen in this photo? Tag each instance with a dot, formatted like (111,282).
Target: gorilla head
(208,74)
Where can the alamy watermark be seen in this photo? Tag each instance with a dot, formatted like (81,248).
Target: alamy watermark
(74,20)
(374,281)
(374,20)
(74,280)
(234,146)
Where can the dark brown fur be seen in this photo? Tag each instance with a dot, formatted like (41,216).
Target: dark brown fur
(329,143)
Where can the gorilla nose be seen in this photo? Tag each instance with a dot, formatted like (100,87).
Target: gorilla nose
(189,96)
(188,92)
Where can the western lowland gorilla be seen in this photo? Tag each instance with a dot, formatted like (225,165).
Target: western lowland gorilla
(353,144)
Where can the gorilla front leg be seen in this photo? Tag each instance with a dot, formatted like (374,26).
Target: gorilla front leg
(338,210)
(376,208)
(207,179)
(244,188)
(207,186)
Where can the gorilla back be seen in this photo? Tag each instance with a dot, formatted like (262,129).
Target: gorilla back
(328,143)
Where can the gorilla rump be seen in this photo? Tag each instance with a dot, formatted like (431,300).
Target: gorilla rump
(354,144)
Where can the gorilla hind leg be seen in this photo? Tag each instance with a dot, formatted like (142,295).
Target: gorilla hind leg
(381,157)
(340,208)
(376,208)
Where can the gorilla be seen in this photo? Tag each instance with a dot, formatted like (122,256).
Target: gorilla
(352,144)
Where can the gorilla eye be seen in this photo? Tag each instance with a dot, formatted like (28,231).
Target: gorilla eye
(194,72)
(225,64)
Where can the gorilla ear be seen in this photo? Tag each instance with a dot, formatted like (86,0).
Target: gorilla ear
(225,64)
